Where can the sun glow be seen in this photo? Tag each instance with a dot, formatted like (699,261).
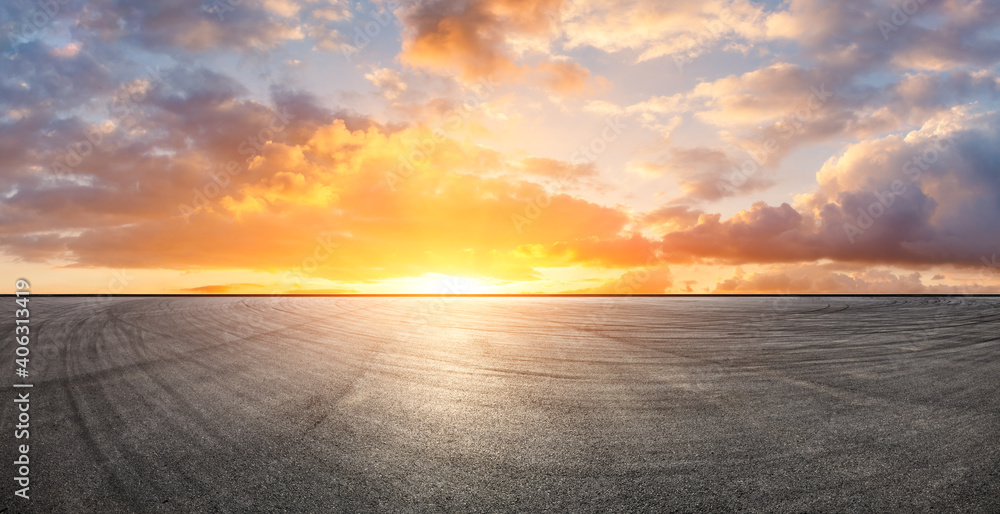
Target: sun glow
(435,283)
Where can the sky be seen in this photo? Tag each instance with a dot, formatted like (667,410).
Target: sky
(500,146)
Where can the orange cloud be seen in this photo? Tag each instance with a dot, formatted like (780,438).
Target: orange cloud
(568,78)
(356,206)
(656,280)
(493,38)
(225,289)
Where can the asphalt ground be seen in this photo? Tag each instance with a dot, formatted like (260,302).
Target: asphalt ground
(270,404)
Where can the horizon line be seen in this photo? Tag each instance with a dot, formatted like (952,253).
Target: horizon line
(500,295)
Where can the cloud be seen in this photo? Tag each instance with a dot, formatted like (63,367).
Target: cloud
(659,113)
(561,173)
(388,81)
(807,279)
(471,35)
(450,210)
(707,174)
(322,291)
(774,110)
(250,288)
(198,163)
(862,35)
(566,77)
(499,39)
(642,281)
(684,29)
(189,25)
(224,288)
(924,67)
(375,202)
(673,217)
(49,81)
(617,251)
(484,37)
(926,198)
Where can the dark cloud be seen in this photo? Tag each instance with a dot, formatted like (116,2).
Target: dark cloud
(193,25)
(875,205)
(151,153)
(37,77)
(818,280)
(475,38)
(672,216)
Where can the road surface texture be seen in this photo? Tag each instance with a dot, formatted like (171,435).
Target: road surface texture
(202,404)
